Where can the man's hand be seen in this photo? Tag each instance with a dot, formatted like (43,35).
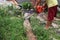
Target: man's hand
(35,7)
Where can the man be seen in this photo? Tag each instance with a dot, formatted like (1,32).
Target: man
(52,11)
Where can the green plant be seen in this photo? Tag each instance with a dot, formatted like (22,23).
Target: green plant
(26,5)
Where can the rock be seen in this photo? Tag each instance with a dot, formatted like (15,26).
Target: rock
(55,25)
(40,18)
(54,39)
(58,31)
(57,19)
(58,8)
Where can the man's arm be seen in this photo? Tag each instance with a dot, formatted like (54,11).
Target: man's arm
(15,2)
(33,2)
(37,2)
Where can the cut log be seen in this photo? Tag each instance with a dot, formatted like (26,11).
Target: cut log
(29,32)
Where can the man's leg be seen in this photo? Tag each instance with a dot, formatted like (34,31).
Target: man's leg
(48,24)
(55,16)
(55,11)
(51,14)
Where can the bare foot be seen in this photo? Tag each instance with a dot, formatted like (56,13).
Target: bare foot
(46,28)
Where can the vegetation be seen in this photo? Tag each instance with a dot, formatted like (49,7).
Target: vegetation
(11,26)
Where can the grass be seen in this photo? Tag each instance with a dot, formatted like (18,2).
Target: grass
(12,29)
